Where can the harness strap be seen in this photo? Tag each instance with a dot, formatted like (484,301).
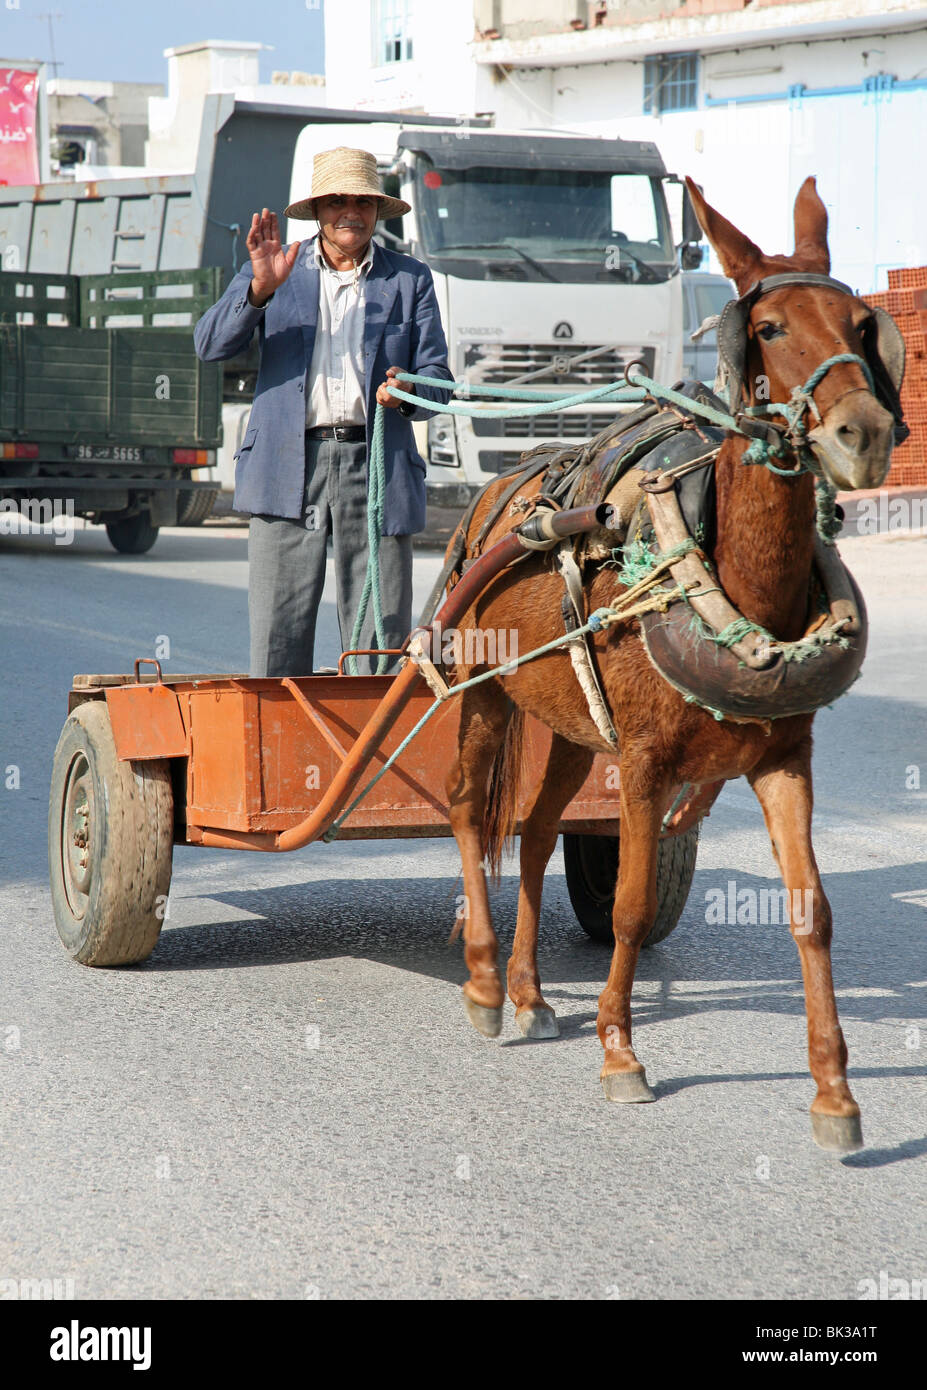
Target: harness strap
(580,649)
(459,540)
(524,475)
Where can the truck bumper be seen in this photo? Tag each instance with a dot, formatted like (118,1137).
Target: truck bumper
(450,494)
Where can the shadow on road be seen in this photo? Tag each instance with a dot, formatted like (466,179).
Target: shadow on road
(702,968)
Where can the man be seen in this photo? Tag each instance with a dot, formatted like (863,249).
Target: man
(338,316)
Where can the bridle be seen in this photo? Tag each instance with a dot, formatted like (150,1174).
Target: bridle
(770,441)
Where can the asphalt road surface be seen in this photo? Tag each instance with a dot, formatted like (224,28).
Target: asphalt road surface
(287,1101)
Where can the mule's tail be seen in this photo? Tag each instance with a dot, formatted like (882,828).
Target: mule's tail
(504,791)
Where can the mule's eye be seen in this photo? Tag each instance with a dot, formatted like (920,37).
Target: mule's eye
(767,331)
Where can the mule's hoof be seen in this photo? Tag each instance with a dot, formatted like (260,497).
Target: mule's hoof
(537,1023)
(627,1086)
(838,1133)
(485,1021)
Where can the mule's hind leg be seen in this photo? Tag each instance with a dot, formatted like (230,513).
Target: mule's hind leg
(642,805)
(484,717)
(786,798)
(567,768)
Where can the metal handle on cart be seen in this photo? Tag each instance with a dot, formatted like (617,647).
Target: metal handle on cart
(368,651)
(150,661)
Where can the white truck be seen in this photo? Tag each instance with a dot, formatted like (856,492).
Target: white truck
(554,255)
(555,265)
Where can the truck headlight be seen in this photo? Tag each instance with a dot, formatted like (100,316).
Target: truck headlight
(442,441)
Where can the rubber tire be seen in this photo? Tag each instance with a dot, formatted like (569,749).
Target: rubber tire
(130,835)
(133,535)
(193,507)
(591,863)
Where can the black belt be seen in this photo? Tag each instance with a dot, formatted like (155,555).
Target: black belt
(342,434)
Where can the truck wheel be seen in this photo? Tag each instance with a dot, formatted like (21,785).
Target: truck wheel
(193,507)
(591,863)
(133,535)
(110,842)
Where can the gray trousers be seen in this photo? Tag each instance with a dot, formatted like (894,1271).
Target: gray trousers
(286,567)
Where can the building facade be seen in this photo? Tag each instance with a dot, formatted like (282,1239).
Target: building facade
(98,128)
(401,55)
(749,97)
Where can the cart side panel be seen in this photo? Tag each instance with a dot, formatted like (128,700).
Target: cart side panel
(224,774)
(146,722)
(262,754)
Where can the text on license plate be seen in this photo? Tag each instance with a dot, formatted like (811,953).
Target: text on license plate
(113,453)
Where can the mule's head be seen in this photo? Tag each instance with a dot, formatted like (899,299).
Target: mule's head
(788,332)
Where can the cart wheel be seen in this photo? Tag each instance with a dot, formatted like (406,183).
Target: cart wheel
(110,841)
(592,871)
(133,535)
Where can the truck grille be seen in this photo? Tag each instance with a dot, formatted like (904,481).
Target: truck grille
(549,364)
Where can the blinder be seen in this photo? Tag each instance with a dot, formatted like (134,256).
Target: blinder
(883,344)
(884,349)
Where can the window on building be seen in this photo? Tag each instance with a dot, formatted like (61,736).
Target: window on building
(392,30)
(671,83)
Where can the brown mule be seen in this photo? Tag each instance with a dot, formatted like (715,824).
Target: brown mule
(765,541)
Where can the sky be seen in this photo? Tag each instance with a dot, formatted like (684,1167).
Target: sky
(124,40)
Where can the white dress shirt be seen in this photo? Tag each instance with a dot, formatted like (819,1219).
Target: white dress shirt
(335,391)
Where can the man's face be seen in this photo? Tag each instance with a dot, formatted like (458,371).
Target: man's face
(347,220)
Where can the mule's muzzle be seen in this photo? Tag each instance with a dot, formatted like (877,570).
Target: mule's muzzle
(854,444)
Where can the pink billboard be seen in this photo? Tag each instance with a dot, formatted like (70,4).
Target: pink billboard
(19,153)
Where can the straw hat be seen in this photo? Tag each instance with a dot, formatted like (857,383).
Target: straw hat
(345,171)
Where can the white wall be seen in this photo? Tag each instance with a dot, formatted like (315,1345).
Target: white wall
(439,79)
(751,158)
(192,71)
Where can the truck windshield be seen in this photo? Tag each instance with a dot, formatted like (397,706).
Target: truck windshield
(586,224)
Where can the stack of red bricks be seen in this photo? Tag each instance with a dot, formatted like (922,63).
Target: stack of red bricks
(906,301)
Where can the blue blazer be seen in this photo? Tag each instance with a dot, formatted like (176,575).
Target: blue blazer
(402,329)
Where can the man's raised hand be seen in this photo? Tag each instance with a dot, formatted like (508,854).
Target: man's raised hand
(270,264)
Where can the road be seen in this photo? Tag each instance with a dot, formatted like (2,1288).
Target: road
(286,1100)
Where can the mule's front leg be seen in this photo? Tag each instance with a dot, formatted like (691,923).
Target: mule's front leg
(786,798)
(483,719)
(566,771)
(623,1077)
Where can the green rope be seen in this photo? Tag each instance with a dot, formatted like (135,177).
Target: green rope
(736,632)
(376,489)
(677,802)
(546,406)
(639,559)
(759,451)
(811,646)
(710,709)
(826,520)
(377,472)
(799,650)
(467,388)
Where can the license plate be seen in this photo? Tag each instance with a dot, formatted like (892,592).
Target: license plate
(106,453)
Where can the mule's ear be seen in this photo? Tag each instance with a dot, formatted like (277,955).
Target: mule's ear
(740,257)
(811,230)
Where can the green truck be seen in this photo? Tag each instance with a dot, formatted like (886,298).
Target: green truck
(106,412)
